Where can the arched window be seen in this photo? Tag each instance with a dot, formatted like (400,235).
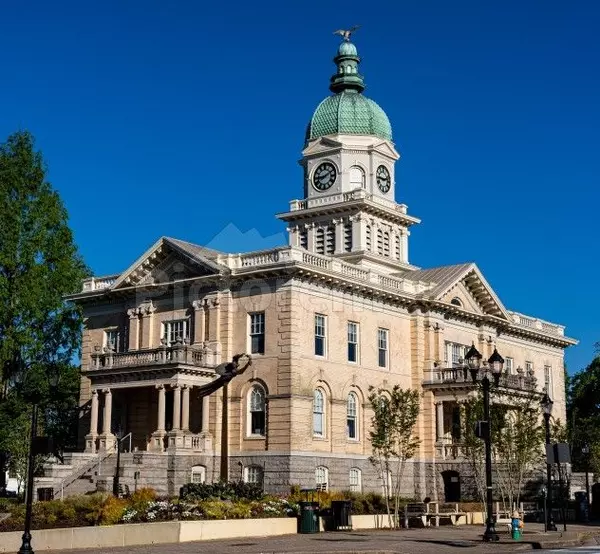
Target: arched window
(380,242)
(198,474)
(355,480)
(352,416)
(319,413)
(347,237)
(304,239)
(256,411)
(254,475)
(320,240)
(330,240)
(357,178)
(456,302)
(369,238)
(386,244)
(322,478)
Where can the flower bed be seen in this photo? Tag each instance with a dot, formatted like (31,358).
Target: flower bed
(217,501)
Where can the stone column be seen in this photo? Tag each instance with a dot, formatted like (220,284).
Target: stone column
(439,406)
(134,329)
(157,439)
(107,439)
(359,233)
(90,439)
(310,237)
(339,235)
(185,409)
(293,236)
(107,414)
(205,414)
(176,408)
(199,322)
(161,408)
(147,310)
(404,245)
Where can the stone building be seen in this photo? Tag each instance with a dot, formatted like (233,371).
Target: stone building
(340,308)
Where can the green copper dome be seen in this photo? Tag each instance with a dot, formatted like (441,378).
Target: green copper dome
(348,111)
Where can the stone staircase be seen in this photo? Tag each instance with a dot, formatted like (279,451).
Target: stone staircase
(79,474)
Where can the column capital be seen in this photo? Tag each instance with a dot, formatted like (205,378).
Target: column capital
(147,308)
(94,392)
(133,313)
(199,304)
(106,391)
(159,386)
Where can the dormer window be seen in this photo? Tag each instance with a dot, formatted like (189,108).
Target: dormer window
(456,302)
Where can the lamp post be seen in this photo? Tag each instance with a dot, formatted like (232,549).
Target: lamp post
(495,364)
(585,450)
(547,406)
(53,378)
(116,478)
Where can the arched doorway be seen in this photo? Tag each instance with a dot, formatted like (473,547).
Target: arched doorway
(451,486)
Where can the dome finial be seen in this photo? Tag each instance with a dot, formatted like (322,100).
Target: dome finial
(347,77)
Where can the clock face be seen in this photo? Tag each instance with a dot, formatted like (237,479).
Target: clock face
(384,181)
(324,176)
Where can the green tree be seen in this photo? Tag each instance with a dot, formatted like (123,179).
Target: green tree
(39,265)
(393,441)
(583,416)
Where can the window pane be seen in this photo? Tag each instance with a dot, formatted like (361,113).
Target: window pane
(258,423)
(351,422)
(320,331)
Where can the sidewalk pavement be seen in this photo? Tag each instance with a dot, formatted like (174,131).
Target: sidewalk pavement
(439,540)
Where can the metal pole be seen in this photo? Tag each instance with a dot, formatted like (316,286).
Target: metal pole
(26,542)
(587,492)
(551,526)
(490,529)
(116,476)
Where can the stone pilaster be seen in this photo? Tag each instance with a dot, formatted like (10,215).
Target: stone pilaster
(134,329)
(310,236)
(199,321)
(90,439)
(185,409)
(147,310)
(339,235)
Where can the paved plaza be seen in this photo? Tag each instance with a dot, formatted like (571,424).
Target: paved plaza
(414,541)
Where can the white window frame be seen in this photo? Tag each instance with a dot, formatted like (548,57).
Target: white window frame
(117,333)
(322,478)
(454,353)
(319,413)
(254,474)
(510,365)
(355,479)
(356,170)
(198,474)
(256,328)
(548,379)
(354,339)
(320,332)
(253,395)
(352,412)
(169,332)
(383,346)
(528,367)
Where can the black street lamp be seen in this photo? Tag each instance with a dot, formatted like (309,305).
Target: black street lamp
(547,406)
(585,450)
(116,478)
(495,364)
(53,378)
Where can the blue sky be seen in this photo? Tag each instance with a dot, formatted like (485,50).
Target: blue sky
(187,119)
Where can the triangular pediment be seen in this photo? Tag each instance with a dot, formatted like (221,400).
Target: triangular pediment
(324,144)
(477,293)
(463,282)
(169,260)
(386,149)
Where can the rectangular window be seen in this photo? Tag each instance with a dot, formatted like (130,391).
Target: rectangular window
(112,340)
(254,475)
(257,333)
(528,368)
(509,365)
(352,342)
(548,379)
(320,335)
(455,354)
(355,480)
(382,345)
(322,478)
(177,330)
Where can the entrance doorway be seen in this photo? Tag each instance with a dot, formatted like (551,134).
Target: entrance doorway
(451,486)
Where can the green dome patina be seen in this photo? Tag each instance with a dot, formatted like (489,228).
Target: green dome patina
(348,111)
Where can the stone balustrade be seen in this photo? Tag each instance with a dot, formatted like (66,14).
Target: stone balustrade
(98,283)
(163,355)
(461,376)
(537,324)
(446,449)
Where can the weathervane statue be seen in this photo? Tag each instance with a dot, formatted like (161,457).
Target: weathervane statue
(226,372)
(345,33)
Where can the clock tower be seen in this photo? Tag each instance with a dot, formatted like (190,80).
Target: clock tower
(349,208)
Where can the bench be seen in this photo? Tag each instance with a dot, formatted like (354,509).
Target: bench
(445,511)
(416,511)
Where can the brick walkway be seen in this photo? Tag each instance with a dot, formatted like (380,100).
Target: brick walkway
(415,541)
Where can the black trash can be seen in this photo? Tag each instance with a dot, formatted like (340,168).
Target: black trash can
(341,513)
(45,493)
(308,520)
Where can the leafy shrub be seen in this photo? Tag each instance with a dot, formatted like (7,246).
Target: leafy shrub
(235,490)
(140,499)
